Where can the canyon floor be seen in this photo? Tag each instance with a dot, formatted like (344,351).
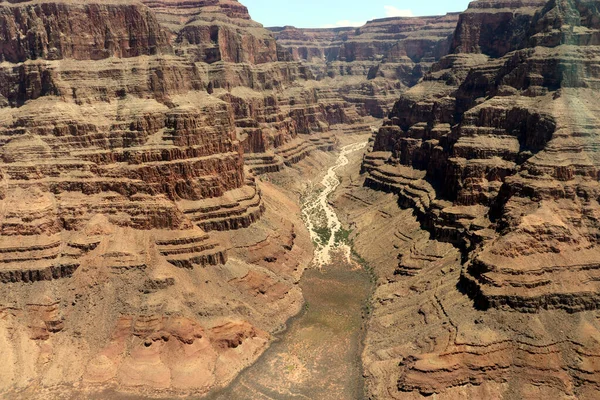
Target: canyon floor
(318,356)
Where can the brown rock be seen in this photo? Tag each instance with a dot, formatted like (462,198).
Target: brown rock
(59,30)
(122,182)
(493,150)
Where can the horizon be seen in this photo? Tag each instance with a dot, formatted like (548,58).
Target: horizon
(315,14)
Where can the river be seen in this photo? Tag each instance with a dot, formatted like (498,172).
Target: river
(327,217)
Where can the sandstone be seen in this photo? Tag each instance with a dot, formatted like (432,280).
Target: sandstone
(272,97)
(487,150)
(122,182)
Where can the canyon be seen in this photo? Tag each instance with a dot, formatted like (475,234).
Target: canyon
(176,180)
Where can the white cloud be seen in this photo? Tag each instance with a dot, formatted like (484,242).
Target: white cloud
(391,11)
(344,23)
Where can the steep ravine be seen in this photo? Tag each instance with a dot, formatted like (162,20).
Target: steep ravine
(318,356)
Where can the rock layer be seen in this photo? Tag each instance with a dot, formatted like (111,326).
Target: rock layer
(59,30)
(373,64)
(124,201)
(494,150)
(274,100)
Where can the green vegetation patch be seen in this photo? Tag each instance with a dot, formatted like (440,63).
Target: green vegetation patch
(342,236)
(324,234)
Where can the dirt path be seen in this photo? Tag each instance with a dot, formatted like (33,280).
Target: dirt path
(318,356)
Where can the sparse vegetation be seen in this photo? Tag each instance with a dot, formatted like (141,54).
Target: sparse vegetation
(324,234)
(367,307)
(342,236)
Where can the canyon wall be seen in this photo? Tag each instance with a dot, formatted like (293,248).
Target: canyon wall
(274,103)
(494,151)
(373,64)
(136,252)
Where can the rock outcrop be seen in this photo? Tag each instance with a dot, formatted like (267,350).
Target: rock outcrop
(59,30)
(274,100)
(495,152)
(211,31)
(124,199)
(140,253)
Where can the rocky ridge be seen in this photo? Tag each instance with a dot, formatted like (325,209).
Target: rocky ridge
(494,152)
(372,64)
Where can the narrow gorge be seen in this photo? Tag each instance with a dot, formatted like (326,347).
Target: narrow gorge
(195,206)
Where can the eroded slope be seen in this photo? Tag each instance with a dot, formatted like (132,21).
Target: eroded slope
(136,252)
(495,152)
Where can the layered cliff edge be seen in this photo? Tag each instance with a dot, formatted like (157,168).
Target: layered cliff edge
(273,104)
(494,152)
(136,252)
(372,64)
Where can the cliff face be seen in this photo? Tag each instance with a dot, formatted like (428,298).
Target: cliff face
(495,152)
(388,39)
(375,63)
(54,31)
(118,174)
(212,31)
(274,102)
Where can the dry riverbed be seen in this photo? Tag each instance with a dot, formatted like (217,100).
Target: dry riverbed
(318,356)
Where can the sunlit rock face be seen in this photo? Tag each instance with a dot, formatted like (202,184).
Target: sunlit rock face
(139,252)
(375,63)
(495,150)
(124,201)
(215,30)
(275,100)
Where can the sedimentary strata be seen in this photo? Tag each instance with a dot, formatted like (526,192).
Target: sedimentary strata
(373,64)
(274,100)
(124,198)
(138,248)
(494,151)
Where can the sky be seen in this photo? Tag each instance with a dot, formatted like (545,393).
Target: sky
(333,13)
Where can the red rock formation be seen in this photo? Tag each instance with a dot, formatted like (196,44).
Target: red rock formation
(58,30)
(160,352)
(495,152)
(118,173)
(389,39)
(273,99)
(215,30)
